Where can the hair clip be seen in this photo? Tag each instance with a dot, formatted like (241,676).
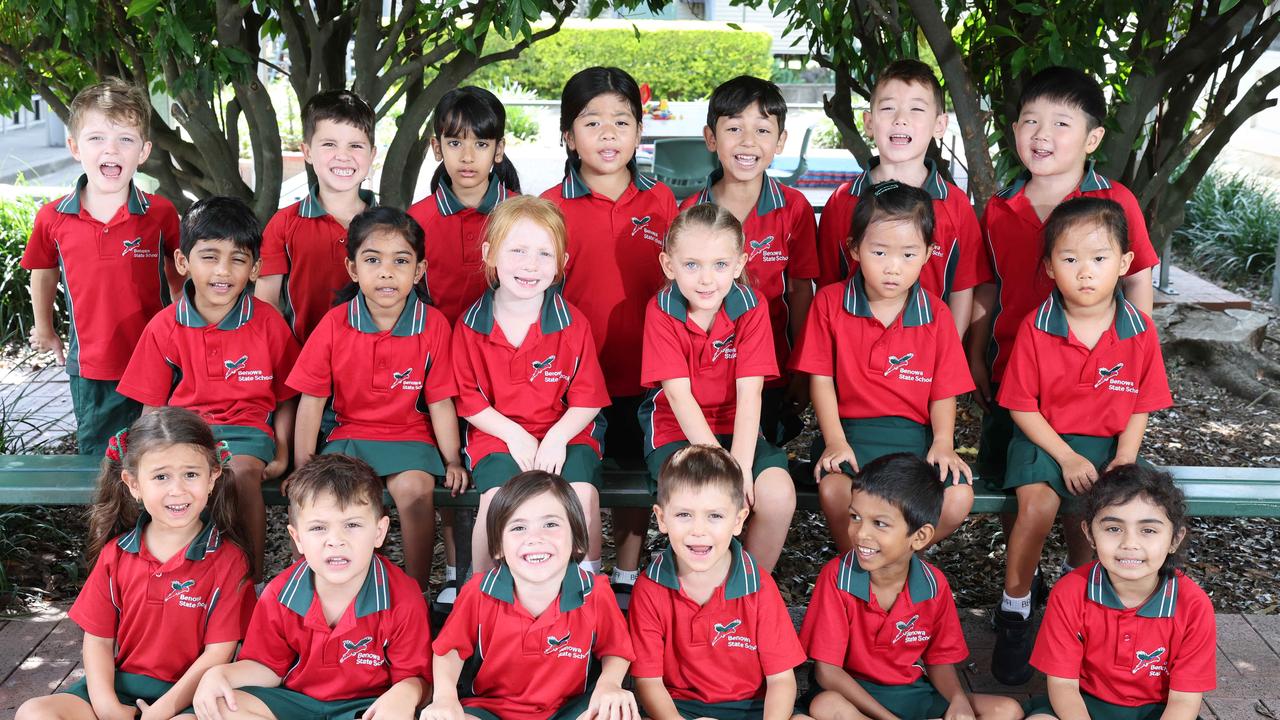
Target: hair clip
(118,445)
(224,453)
(887,186)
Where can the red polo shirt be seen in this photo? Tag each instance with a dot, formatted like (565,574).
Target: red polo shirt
(115,276)
(613,266)
(781,249)
(454,234)
(1128,656)
(1082,391)
(883,372)
(555,368)
(381,381)
(845,627)
(718,652)
(1015,246)
(531,666)
(309,248)
(737,346)
(232,373)
(957,262)
(163,614)
(382,637)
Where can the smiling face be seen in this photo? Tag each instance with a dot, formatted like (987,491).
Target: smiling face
(700,523)
(109,152)
(537,542)
(745,143)
(891,255)
(220,271)
(1053,138)
(903,119)
(173,483)
(605,135)
(338,542)
(386,269)
(526,261)
(880,534)
(1086,264)
(341,155)
(1133,539)
(467,159)
(703,263)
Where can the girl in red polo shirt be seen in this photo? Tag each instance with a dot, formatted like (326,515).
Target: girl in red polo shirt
(708,350)
(1129,636)
(169,595)
(529,383)
(528,630)
(381,358)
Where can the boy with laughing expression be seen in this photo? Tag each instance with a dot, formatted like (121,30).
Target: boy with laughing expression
(341,632)
(711,633)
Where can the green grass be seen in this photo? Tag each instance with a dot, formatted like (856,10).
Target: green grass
(1231,229)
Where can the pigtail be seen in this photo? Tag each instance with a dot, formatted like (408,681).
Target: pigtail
(437,176)
(505,171)
(225,516)
(114,510)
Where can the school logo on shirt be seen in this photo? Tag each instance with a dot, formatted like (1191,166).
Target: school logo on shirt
(761,249)
(178,589)
(134,247)
(725,630)
(404,379)
(542,367)
(724,347)
(937,250)
(1111,378)
(897,363)
(359,649)
(234,365)
(560,647)
(909,632)
(1148,660)
(640,226)
(238,368)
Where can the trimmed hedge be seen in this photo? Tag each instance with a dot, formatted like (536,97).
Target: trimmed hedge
(678,63)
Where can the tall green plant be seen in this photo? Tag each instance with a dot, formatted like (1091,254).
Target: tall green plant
(1231,230)
(17,214)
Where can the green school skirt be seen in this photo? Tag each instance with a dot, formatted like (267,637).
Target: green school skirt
(290,705)
(388,457)
(735,710)
(1029,464)
(130,688)
(242,440)
(767,456)
(1098,709)
(919,700)
(581,465)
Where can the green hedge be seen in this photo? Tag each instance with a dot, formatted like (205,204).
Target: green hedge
(17,214)
(678,63)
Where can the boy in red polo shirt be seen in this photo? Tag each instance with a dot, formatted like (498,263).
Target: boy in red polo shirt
(909,111)
(223,354)
(341,632)
(304,245)
(1085,371)
(746,128)
(879,612)
(711,632)
(110,245)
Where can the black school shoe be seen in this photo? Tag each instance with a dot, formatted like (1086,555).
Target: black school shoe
(1039,594)
(1015,636)
(622,593)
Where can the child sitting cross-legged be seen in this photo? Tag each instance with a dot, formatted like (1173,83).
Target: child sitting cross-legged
(711,632)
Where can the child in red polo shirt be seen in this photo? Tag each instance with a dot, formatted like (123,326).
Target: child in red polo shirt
(746,121)
(879,612)
(527,632)
(380,359)
(616,219)
(1129,636)
(304,245)
(222,353)
(708,351)
(529,383)
(343,633)
(908,111)
(884,360)
(711,632)
(169,592)
(1085,372)
(111,246)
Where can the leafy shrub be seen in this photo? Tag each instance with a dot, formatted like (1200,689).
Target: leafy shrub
(522,123)
(1231,228)
(17,214)
(678,63)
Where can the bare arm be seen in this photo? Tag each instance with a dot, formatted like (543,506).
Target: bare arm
(1065,697)
(307,427)
(984,302)
(1138,290)
(183,691)
(98,654)
(444,422)
(961,304)
(826,408)
(942,419)
(44,336)
(1182,706)
(947,682)
(220,682)
(267,289)
(779,695)
(684,406)
(1130,440)
(746,429)
(655,699)
(282,423)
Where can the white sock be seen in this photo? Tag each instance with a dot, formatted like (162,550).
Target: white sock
(450,572)
(1019,605)
(626,577)
(447,596)
(591,566)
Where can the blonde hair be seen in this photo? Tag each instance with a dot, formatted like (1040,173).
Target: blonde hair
(709,217)
(121,102)
(504,218)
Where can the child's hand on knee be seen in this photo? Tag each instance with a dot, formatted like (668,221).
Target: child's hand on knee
(1078,473)
(213,687)
(443,711)
(959,709)
(832,458)
(611,702)
(949,464)
(456,478)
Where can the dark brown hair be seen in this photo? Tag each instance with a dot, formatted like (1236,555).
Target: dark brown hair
(348,479)
(341,106)
(122,103)
(701,466)
(115,510)
(912,72)
(1123,483)
(892,201)
(1104,213)
(524,487)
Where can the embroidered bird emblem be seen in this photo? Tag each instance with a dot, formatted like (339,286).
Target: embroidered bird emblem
(131,245)
(723,630)
(1105,374)
(178,588)
(234,365)
(897,363)
(554,643)
(1146,658)
(721,346)
(540,365)
(399,377)
(353,648)
(904,627)
(758,246)
(639,223)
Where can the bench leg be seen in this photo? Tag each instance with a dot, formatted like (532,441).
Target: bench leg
(464,522)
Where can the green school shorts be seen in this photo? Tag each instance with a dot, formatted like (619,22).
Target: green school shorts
(130,688)
(581,465)
(242,440)
(919,700)
(1029,464)
(1098,709)
(388,457)
(993,445)
(574,707)
(100,412)
(735,710)
(873,438)
(767,456)
(290,705)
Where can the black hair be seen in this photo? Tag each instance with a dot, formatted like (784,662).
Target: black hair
(1068,86)
(892,201)
(584,87)
(1123,483)
(733,97)
(221,218)
(1102,212)
(912,71)
(906,482)
(474,111)
(342,106)
(386,219)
